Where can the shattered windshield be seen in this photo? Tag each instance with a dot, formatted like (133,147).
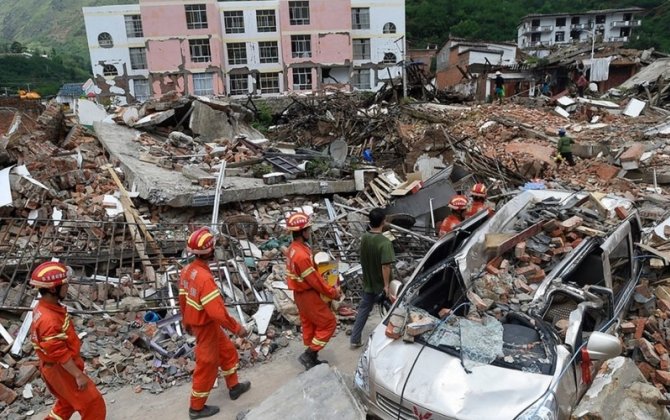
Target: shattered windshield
(486,340)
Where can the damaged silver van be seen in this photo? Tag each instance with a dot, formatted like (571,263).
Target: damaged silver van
(512,322)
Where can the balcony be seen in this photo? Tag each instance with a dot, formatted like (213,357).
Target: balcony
(580,27)
(532,29)
(626,24)
(618,39)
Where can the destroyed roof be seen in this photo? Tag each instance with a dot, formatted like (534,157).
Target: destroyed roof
(71,89)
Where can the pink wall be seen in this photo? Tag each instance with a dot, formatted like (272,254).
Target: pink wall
(325,17)
(171,52)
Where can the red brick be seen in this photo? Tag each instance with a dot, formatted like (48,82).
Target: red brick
(663,304)
(7,395)
(519,249)
(556,233)
(529,269)
(534,259)
(639,327)
(627,327)
(572,223)
(572,236)
(537,277)
(663,377)
(647,370)
(665,362)
(633,153)
(660,349)
(491,269)
(606,172)
(576,243)
(621,212)
(524,258)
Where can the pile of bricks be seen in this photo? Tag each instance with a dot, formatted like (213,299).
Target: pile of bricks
(646,333)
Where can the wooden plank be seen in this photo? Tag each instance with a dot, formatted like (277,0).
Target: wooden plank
(520,237)
(370,199)
(383,186)
(590,232)
(378,193)
(23,331)
(665,256)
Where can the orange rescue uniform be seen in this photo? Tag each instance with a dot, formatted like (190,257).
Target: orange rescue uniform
(477,206)
(55,342)
(317,320)
(204,313)
(449,223)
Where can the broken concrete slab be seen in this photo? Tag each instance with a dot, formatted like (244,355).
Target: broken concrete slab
(620,391)
(634,108)
(213,120)
(630,159)
(154,119)
(319,393)
(162,186)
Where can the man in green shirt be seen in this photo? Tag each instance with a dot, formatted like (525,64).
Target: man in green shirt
(564,148)
(377,257)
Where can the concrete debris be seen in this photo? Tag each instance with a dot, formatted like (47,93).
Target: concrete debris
(321,393)
(620,391)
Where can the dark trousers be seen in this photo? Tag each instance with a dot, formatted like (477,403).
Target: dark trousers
(568,156)
(363,312)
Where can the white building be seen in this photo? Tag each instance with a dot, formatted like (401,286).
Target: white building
(118,53)
(252,47)
(378,39)
(538,32)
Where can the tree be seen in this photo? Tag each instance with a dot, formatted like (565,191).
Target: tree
(16,47)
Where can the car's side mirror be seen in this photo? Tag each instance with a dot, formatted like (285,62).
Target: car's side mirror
(603,346)
(394,289)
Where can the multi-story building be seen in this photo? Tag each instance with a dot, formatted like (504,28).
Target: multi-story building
(209,47)
(537,33)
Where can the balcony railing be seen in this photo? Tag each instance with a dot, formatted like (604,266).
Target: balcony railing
(626,23)
(544,28)
(618,39)
(580,26)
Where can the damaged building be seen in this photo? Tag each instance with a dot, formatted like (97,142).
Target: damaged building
(145,50)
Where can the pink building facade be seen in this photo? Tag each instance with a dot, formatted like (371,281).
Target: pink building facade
(235,48)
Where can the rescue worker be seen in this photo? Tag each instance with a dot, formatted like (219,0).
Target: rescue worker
(458,204)
(57,346)
(478,194)
(317,320)
(204,315)
(564,149)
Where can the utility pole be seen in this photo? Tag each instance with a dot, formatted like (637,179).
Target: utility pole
(404,63)
(593,47)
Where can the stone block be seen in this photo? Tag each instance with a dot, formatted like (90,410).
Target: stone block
(7,395)
(649,352)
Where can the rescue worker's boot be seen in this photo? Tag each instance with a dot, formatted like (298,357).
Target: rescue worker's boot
(207,411)
(316,359)
(308,359)
(239,389)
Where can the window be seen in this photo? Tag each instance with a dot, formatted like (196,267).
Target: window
(266,21)
(268,52)
(600,19)
(389,28)
(203,84)
(361,79)
(560,36)
(269,82)
(627,16)
(574,20)
(105,40)
(389,58)
(560,22)
(361,49)
(239,84)
(142,92)
(301,46)
(624,32)
(200,51)
(196,16)
(298,12)
(535,38)
(234,22)
(574,35)
(535,22)
(237,53)
(134,26)
(302,78)
(138,58)
(109,70)
(360,18)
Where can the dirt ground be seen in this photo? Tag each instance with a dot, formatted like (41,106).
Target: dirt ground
(265,378)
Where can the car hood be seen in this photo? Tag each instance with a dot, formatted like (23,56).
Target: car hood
(440,385)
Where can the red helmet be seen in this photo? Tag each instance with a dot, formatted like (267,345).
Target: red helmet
(297,222)
(50,274)
(200,242)
(478,190)
(458,202)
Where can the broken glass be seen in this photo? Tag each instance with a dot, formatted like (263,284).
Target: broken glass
(481,342)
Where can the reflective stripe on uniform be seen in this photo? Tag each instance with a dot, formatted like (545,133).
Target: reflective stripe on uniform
(182,292)
(194,304)
(61,336)
(307,272)
(209,297)
(319,342)
(66,322)
(231,370)
(197,394)
(294,277)
(54,415)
